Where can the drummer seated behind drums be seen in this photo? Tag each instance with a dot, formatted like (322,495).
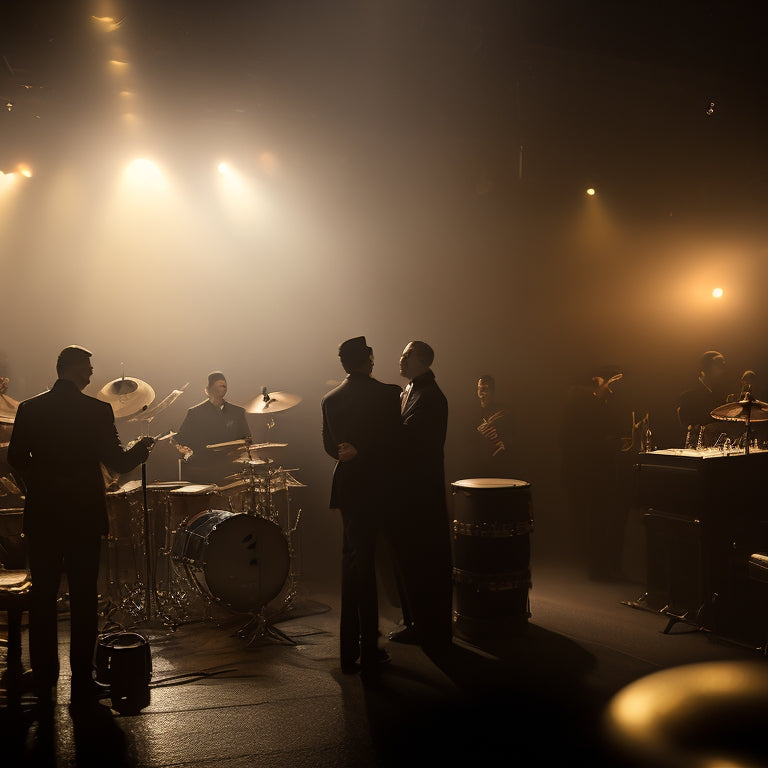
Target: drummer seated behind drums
(211,422)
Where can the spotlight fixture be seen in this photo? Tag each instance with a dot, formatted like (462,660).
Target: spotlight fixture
(717,293)
(591,191)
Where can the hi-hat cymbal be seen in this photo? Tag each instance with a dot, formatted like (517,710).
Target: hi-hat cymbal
(272,402)
(743,410)
(127,396)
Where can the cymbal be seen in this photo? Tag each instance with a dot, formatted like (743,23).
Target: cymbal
(754,410)
(272,402)
(227,446)
(149,413)
(127,396)
(259,446)
(8,408)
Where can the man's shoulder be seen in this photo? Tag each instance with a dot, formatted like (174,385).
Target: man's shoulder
(199,407)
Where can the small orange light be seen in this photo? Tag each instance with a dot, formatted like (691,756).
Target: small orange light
(717,293)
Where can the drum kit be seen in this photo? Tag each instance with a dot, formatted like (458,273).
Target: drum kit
(177,551)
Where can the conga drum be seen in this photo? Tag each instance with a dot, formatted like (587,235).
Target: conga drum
(492,522)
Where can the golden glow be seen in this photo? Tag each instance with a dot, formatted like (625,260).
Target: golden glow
(145,173)
(108,23)
(269,163)
(25,171)
(223,168)
(591,192)
(117,66)
(717,293)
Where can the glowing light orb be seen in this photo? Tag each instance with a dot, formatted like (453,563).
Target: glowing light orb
(591,191)
(144,172)
(717,293)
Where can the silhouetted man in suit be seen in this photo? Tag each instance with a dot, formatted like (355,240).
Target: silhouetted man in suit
(60,439)
(361,425)
(421,535)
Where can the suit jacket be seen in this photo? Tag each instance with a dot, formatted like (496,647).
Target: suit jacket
(366,413)
(59,441)
(425,423)
(205,424)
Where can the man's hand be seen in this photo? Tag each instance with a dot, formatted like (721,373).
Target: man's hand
(347,452)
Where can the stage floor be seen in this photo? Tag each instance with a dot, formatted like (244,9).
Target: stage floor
(221,699)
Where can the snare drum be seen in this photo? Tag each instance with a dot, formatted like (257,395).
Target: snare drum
(239,560)
(187,501)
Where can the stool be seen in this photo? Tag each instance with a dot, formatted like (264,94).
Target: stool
(757,570)
(15,587)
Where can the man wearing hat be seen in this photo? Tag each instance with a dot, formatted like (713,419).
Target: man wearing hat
(60,439)
(361,429)
(211,422)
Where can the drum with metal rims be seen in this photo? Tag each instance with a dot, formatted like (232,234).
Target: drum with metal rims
(238,560)
(124,510)
(491,557)
(188,500)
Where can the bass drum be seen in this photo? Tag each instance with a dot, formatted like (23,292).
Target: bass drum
(239,560)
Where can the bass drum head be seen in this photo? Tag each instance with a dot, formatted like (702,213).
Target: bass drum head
(245,560)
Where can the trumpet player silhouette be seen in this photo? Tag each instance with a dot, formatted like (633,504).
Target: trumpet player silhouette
(491,449)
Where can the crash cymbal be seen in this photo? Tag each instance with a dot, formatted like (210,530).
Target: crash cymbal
(8,408)
(127,396)
(149,413)
(259,446)
(272,402)
(754,410)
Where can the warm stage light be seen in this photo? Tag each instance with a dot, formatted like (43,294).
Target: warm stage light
(223,168)
(25,171)
(591,192)
(717,293)
(145,173)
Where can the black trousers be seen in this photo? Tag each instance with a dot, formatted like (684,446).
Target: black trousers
(50,556)
(359,626)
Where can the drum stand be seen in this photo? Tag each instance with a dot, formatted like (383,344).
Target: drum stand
(151,606)
(259,627)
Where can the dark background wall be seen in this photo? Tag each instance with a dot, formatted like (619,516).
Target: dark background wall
(409,170)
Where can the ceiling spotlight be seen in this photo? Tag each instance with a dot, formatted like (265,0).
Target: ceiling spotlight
(591,192)
(223,168)
(717,293)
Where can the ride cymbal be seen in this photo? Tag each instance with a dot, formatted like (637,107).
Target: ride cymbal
(127,396)
(743,410)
